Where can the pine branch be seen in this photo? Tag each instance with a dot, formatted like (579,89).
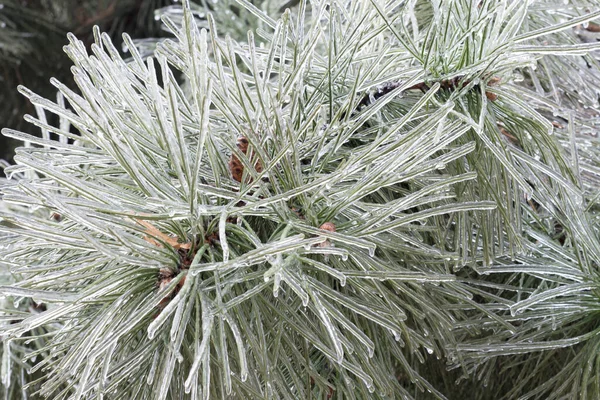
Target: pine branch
(264,227)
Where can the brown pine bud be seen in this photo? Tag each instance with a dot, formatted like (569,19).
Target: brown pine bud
(491,96)
(235,164)
(328,226)
(494,81)
(592,27)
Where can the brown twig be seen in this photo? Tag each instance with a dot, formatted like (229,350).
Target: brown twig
(151,230)
(455,83)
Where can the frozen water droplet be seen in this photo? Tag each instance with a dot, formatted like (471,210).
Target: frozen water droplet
(372,251)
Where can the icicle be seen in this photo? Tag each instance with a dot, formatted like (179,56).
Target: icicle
(6,367)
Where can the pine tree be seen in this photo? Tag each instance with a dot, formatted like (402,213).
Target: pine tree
(325,199)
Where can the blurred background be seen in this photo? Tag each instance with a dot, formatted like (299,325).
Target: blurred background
(32,35)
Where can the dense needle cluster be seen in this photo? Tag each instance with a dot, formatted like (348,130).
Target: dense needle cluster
(358,200)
